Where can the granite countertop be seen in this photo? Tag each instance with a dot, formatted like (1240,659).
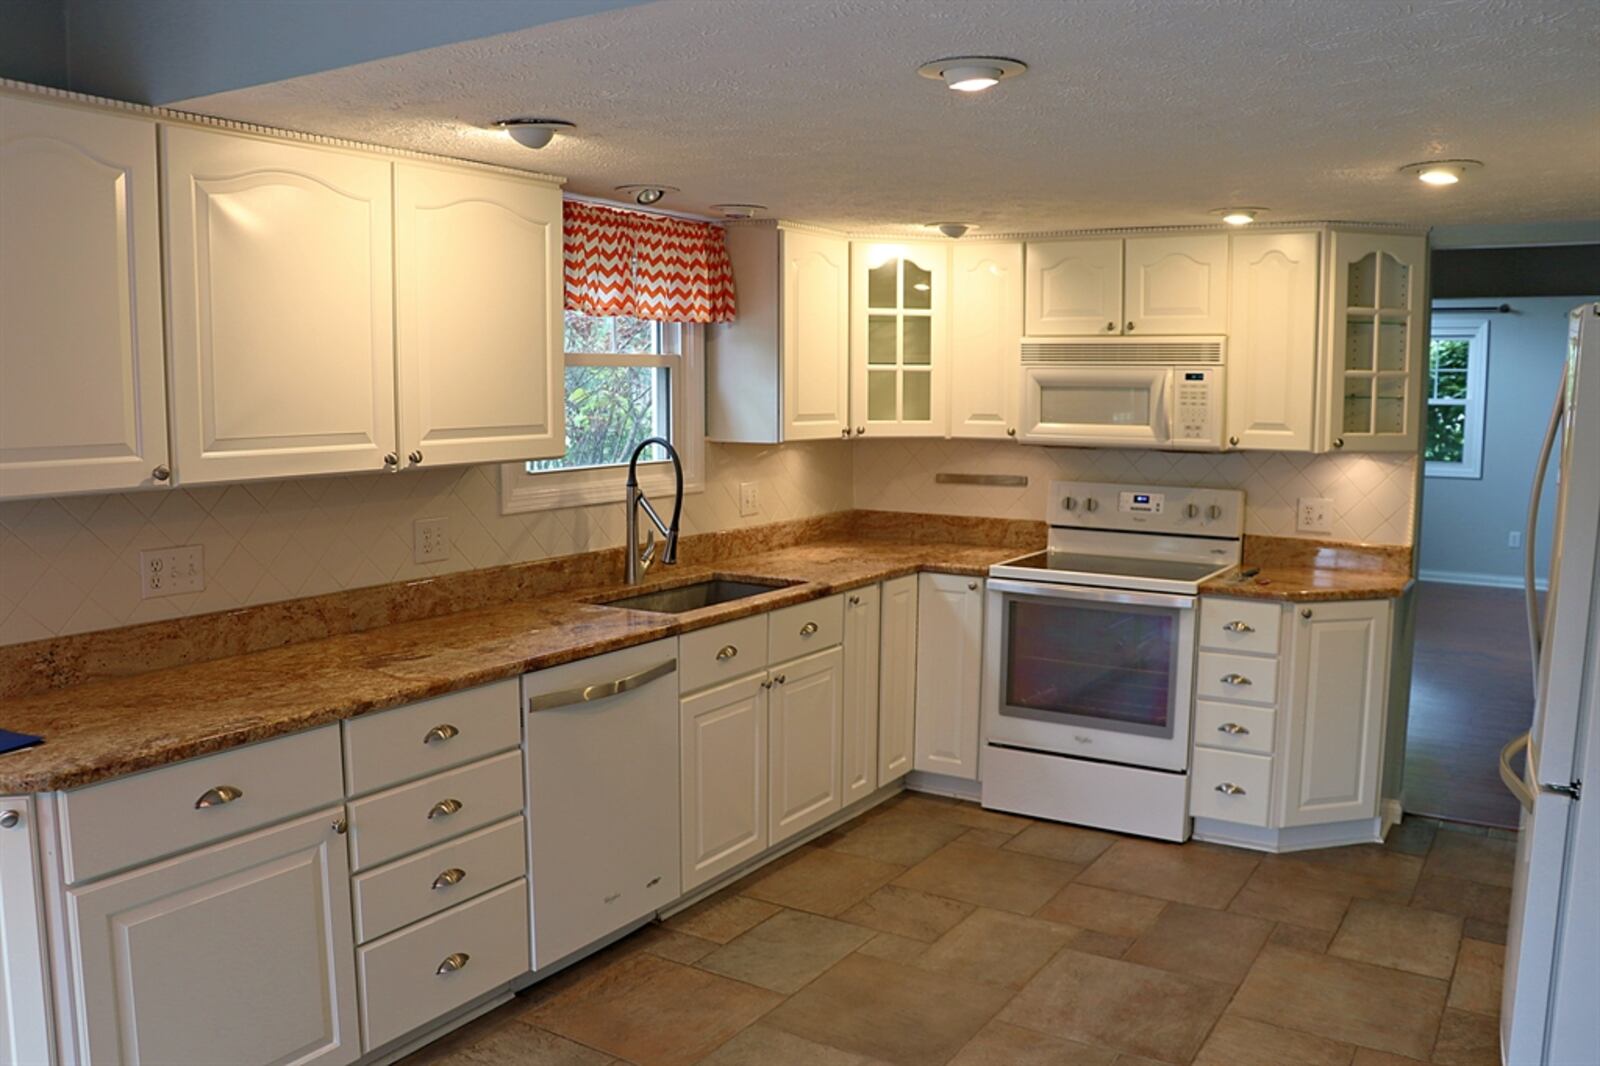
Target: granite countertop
(1308,584)
(104,729)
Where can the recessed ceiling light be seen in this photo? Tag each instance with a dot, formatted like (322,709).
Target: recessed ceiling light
(971,74)
(738,210)
(1238,216)
(1441,171)
(534,132)
(645,195)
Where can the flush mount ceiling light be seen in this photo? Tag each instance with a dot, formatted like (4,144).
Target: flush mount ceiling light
(738,210)
(645,195)
(972,74)
(953,230)
(534,132)
(1238,216)
(1441,171)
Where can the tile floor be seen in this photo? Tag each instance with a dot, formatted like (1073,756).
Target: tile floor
(932,931)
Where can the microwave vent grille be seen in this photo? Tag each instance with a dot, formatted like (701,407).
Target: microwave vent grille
(1202,351)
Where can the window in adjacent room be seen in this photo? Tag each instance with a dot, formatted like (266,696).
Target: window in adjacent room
(1458,363)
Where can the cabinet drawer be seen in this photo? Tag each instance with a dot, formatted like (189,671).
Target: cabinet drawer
(402,987)
(424,738)
(1228,624)
(1230,786)
(722,653)
(1245,678)
(1233,726)
(132,820)
(434,809)
(805,628)
(430,881)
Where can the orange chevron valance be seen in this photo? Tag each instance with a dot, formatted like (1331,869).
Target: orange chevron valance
(646,266)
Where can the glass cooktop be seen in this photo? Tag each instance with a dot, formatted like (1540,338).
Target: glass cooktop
(1118,566)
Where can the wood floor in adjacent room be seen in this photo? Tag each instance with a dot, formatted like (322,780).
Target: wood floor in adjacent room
(1471,692)
(932,931)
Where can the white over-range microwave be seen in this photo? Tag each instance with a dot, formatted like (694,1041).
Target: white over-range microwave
(1123,392)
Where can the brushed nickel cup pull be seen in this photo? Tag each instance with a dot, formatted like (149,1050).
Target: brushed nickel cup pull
(10,819)
(726,652)
(161,473)
(1228,788)
(1239,627)
(1233,729)
(1237,680)
(809,629)
(216,797)
(441,732)
(453,876)
(452,963)
(444,809)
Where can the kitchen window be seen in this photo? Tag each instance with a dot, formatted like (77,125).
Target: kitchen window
(1458,362)
(626,379)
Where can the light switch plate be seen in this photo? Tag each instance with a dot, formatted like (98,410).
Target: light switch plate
(749,503)
(171,571)
(430,540)
(1314,515)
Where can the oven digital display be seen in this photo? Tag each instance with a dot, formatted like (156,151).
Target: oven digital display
(1140,502)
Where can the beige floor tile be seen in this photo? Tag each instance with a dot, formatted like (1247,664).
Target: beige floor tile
(1366,870)
(903,840)
(917,915)
(762,1045)
(975,817)
(651,1011)
(988,838)
(786,951)
(1467,1039)
(894,948)
(1470,899)
(1413,836)
(1094,942)
(1300,938)
(1353,1002)
(1241,1042)
(887,1011)
(1405,938)
(1487,860)
(1270,895)
(999,1044)
(823,882)
(1136,1060)
(1186,873)
(989,877)
(519,1043)
(1105,1002)
(996,947)
(1365,1056)
(722,917)
(1480,971)
(1201,942)
(670,944)
(1064,843)
(1488,932)
(1102,909)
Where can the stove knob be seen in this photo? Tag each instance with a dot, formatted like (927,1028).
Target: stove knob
(1069,503)
(1091,504)
(1214,512)
(1191,510)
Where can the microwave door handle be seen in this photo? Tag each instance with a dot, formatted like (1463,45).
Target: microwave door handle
(1162,421)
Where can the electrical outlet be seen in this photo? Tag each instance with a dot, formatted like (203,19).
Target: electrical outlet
(430,540)
(1514,539)
(748,501)
(171,571)
(1314,515)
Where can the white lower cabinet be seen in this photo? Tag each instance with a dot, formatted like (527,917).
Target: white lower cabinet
(805,714)
(859,758)
(897,678)
(240,953)
(723,734)
(25,1031)
(949,665)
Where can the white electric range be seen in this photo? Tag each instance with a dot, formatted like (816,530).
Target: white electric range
(1089,653)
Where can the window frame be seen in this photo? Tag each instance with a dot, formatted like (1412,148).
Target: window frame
(1474,329)
(522,492)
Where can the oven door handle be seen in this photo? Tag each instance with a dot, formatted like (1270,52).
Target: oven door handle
(1093,595)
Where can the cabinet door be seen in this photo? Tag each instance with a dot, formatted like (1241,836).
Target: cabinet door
(1177,284)
(861,636)
(1335,712)
(816,335)
(1376,348)
(241,952)
(280,289)
(1073,288)
(1272,342)
(949,664)
(83,404)
(898,353)
(478,296)
(897,678)
(25,1030)
(803,743)
(985,338)
(723,737)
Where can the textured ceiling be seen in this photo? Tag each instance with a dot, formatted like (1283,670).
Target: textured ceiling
(1134,112)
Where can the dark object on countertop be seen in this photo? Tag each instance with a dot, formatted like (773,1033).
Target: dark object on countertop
(10,741)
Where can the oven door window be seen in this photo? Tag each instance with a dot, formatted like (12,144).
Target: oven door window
(1096,665)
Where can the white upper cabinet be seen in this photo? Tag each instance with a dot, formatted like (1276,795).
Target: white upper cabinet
(478,316)
(1074,288)
(1272,341)
(816,335)
(281,310)
(899,315)
(1375,354)
(985,338)
(1176,284)
(82,385)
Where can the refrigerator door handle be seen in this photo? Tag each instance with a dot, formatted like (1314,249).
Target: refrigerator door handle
(1530,588)
(1510,778)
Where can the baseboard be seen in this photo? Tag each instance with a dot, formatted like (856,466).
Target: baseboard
(944,785)
(1293,838)
(1488,581)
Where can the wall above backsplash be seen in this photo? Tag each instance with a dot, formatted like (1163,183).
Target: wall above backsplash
(1372,494)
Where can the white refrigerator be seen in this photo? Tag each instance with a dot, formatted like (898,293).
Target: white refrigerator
(1550,1009)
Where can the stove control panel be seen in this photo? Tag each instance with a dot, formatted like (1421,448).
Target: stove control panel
(1140,502)
(1146,508)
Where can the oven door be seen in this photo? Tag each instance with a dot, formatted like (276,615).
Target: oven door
(1104,405)
(1102,674)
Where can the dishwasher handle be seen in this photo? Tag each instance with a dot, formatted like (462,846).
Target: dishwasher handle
(600,690)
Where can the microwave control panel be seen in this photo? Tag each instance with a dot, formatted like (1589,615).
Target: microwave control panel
(1197,405)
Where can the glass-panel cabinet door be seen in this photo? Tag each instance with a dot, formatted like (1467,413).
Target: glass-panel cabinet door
(1378,317)
(897,336)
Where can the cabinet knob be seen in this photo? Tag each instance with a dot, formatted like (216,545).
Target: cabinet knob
(161,473)
(1011,431)
(415,457)
(767,683)
(1305,612)
(444,809)
(441,732)
(780,679)
(453,876)
(1233,442)
(860,430)
(1338,442)
(1130,327)
(10,819)
(726,652)
(845,433)
(453,962)
(972,586)
(340,826)
(1239,627)
(217,797)
(391,460)
(809,629)
(1236,680)
(1233,729)
(855,601)
(1111,327)
(1228,788)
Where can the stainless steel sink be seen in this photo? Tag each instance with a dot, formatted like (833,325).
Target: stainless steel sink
(691,597)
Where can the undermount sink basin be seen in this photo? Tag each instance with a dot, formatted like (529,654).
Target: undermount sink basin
(692,597)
